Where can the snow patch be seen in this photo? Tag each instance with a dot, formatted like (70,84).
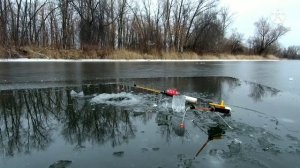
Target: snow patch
(117,99)
(287,120)
(75,94)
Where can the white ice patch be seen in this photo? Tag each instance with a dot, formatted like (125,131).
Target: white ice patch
(75,94)
(117,99)
(287,120)
(216,161)
(178,103)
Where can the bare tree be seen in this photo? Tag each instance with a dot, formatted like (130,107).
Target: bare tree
(202,6)
(226,19)
(64,8)
(167,26)
(121,22)
(292,52)
(179,24)
(3,22)
(266,35)
(171,25)
(206,34)
(235,43)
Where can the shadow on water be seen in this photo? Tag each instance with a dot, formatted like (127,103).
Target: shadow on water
(34,120)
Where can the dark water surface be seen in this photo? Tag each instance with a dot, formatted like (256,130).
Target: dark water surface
(90,115)
(283,75)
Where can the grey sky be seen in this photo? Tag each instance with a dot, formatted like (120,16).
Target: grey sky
(246,12)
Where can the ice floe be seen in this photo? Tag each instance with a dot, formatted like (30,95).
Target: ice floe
(117,99)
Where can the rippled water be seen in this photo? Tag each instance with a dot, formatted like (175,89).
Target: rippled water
(114,124)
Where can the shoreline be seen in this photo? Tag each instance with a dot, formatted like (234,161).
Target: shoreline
(30,54)
(138,60)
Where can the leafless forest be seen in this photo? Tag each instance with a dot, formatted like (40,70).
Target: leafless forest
(143,26)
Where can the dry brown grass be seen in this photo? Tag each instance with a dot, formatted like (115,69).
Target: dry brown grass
(178,56)
(47,53)
(2,52)
(238,57)
(125,54)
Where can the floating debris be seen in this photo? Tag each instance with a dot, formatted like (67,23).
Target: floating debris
(119,153)
(155,149)
(292,138)
(61,164)
(145,149)
(138,113)
(79,147)
(75,94)
(181,156)
(118,99)
(266,145)
(220,153)
(235,146)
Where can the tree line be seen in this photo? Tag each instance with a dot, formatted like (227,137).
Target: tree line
(145,26)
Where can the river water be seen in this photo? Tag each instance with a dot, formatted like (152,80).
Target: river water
(89,114)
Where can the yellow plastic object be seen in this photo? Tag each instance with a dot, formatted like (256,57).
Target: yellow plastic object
(148,89)
(215,105)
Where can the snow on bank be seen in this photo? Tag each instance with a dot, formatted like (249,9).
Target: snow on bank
(129,60)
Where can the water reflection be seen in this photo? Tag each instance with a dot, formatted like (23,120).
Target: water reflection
(27,119)
(31,119)
(258,92)
(169,124)
(98,125)
(213,87)
(95,123)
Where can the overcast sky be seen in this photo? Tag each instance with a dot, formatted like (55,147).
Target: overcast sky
(246,12)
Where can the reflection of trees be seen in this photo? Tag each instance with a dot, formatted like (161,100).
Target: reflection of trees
(25,121)
(232,83)
(169,125)
(91,89)
(95,123)
(211,87)
(28,117)
(163,121)
(10,116)
(258,91)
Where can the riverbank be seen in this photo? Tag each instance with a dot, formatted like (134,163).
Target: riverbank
(26,53)
(132,60)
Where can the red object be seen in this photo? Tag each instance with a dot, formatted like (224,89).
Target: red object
(172,92)
(181,125)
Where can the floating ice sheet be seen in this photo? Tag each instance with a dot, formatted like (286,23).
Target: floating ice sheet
(117,99)
(178,103)
(75,94)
